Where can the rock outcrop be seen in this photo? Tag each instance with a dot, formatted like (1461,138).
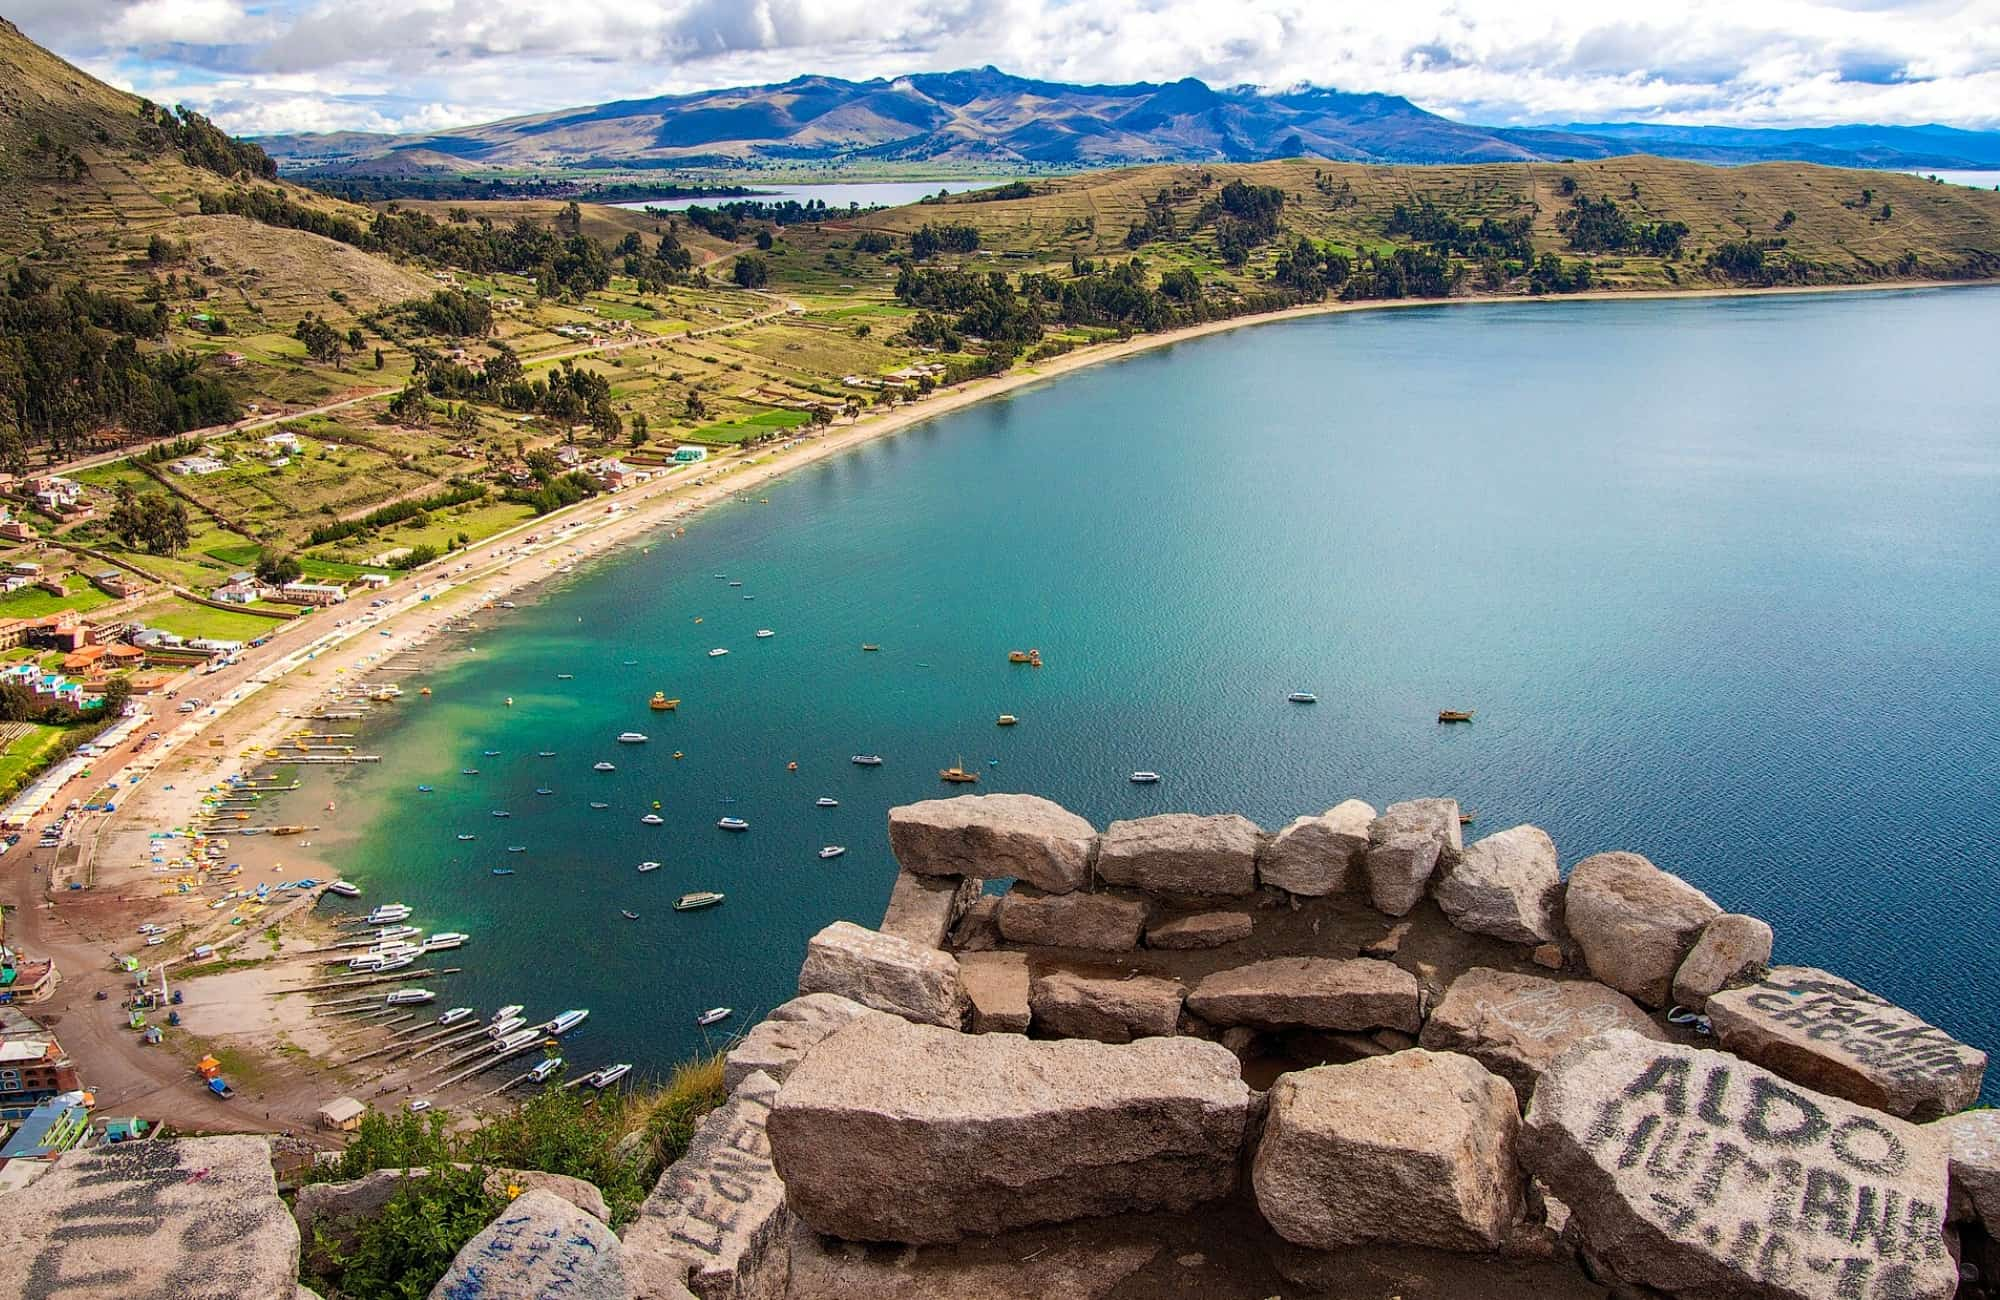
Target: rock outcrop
(1182,855)
(1096,922)
(1508,885)
(1200,930)
(1973,1140)
(1731,947)
(923,909)
(1834,1036)
(1634,922)
(716,1222)
(337,1210)
(196,1219)
(993,836)
(1415,1148)
(892,1131)
(996,984)
(1405,845)
(1315,992)
(1701,1174)
(884,972)
(1516,1025)
(1107,1010)
(1320,855)
(540,1246)
(781,1040)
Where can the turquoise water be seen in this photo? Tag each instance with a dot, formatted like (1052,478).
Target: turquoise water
(1718,577)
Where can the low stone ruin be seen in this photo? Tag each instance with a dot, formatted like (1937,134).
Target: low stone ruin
(1187,1057)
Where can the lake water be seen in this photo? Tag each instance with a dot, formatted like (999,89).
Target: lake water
(1718,576)
(835,194)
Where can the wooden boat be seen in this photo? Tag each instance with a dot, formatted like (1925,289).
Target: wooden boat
(1006,720)
(957,775)
(1033,658)
(661,704)
(1455,715)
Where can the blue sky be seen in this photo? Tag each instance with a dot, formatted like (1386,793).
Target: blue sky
(295,65)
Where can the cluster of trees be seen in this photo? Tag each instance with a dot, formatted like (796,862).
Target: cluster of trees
(278,568)
(1601,226)
(554,487)
(668,263)
(1311,270)
(341,529)
(325,342)
(1011,190)
(949,237)
(453,313)
(562,265)
(751,271)
(202,142)
(1747,261)
(157,521)
(70,365)
(1553,275)
(1429,224)
(1244,217)
(569,395)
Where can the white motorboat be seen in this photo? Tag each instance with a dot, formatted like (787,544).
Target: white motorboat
(714,1016)
(1145,778)
(511,1009)
(631,737)
(603,767)
(717,653)
(548,1067)
(409,997)
(733,824)
(609,1075)
(344,889)
(389,913)
(1303,697)
(865,760)
(826,801)
(515,1041)
(567,1021)
(653,819)
(764,632)
(455,1015)
(449,939)
(502,1028)
(833,850)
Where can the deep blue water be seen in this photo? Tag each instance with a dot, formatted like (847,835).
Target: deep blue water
(1718,576)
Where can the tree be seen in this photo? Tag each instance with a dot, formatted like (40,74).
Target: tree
(764,240)
(323,342)
(276,568)
(752,271)
(117,691)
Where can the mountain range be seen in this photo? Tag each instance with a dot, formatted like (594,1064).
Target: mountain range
(985,116)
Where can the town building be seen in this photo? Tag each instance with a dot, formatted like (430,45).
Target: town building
(310,593)
(33,1065)
(196,466)
(57,1125)
(237,593)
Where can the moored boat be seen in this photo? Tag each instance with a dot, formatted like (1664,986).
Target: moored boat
(1145,778)
(698,899)
(567,1021)
(409,997)
(714,1016)
(631,737)
(506,1024)
(609,1075)
(507,1012)
(344,889)
(661,704)
(1455,715)
(733,824)
(455,1015)
(865,760)
(448,939)
(548,1067)
(389,913)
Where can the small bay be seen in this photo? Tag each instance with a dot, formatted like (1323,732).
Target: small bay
(1717,575)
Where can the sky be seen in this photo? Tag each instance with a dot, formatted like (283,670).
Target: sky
(264,66)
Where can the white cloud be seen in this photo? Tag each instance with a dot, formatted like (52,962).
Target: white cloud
(414,64)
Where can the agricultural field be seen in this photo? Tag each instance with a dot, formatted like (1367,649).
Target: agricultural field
(187,619)
(25,749)
(33,602)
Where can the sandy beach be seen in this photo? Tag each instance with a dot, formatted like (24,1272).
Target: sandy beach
(251,706)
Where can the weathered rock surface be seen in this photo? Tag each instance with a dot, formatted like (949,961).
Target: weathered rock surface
(979,929)
(900,1132)
(1973,1138)
(1320,992)
(1416,1148)
(1405,845)
(716,1222)
(1319,855)
(1056,1263)
(1634,922)
(1730,947)
(1200,930)
(996,984)
(923,909)
(337,1209)
(994,836)
(1109,1010)
(884,972)
(1508,885)
(1182,854)
(1830,1034)
(1701,1174)
(1098,922)
(781,1040)
(197,1219)
(1515,1025)
(539,1247)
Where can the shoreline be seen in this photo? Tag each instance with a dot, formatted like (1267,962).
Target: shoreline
(266,704)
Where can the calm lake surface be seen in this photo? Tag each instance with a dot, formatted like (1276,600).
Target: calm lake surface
(835,194)
(1718,576)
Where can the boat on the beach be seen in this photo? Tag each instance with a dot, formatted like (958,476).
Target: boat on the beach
(1303,697)
(714,1016)
(1006,720)
(956,774)
(409,997)
(603,767)
(865,760)
(717,653)
(344,889)
(609,1075)
(1144,778)
(567,1021)
(455,1015)
(698,899)
(644,867)
(733,824)
(833,850)
(764,632)
(503,871)
(661,704)
(1455,715)
(652,819)
(548,1067)
(826,801)
(631,737)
